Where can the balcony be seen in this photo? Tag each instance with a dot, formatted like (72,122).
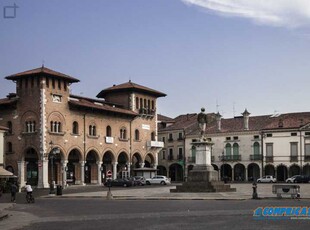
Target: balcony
(269,159)
(256,157)
(294,158)
(147,112)
(230,158)
(155,144)
(307,158)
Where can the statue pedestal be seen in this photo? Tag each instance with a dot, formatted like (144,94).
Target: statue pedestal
(203,178)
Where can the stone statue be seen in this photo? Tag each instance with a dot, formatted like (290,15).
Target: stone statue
(202,121)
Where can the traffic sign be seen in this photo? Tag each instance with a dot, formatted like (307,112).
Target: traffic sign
(109,173)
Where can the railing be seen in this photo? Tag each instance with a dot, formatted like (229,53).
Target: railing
(307,158)
(230,158)
(294,158)
(269,159)
(256,157)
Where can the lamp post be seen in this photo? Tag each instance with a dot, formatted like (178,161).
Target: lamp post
(52,156)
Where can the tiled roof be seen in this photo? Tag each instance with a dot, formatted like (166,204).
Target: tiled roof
(98,105)
(163,118)
(289,120)
(3,128)
(236,124)
(7,101)
(182,122)
(130,86)
(41,70)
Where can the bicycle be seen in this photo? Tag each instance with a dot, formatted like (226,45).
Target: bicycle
(29,198)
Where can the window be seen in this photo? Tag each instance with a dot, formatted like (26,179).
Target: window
(294,149)
(141,103)
(164,154)
(59,84)
(153,105)
(109,131)
(228,149)
(180,155)
(30,126)
(92,131)
(53,83)
(170,137)
(256,137)
(235,138)
(307,152)
(55,127)
(256,148)
(228,138)
(153,136)
(236,151)
(75,128)
(170,157)
(9,147)
(164,139)
(307,133)
(123,134)
(180,136)
(137,103)
(10,127)
(47,82)
(269,149)
(293,134)
(137,135)
(269,134)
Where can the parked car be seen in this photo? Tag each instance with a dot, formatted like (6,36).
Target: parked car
(267,179)
(302,179)
(158,180)
(119,182)
(139,180)
(291,179)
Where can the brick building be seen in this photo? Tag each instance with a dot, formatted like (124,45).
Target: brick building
(56,136)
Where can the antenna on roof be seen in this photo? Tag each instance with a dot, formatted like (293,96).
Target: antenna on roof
(43,63)
(217,106)
(234,108)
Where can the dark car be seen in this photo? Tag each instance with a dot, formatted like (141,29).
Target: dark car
(119,182)
(302,179)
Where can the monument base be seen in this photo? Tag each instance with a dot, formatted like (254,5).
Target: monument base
(203,179)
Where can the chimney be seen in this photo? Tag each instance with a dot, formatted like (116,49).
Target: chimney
(218,121)
(246,116)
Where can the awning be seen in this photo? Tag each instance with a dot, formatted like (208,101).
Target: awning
(5,173)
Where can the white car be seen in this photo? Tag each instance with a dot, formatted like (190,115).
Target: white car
(267,179)
(158,180)
(291,179)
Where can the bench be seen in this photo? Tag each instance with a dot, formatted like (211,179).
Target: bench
(286,189)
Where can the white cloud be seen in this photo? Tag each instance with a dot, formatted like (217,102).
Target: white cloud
(287,13)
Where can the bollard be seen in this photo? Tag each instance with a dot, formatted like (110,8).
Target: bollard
(254,195)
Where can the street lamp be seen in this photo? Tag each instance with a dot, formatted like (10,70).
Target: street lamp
(52,156)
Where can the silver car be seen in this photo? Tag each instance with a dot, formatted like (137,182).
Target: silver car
(267,179)
(158,180)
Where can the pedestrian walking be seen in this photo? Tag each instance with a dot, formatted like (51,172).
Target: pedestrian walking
(13,192)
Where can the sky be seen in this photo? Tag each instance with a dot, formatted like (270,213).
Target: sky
(223,55)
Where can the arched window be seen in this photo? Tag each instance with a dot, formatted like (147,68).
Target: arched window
(75,127)
(137,135)
(236,151)
(55,127)
(137,103)
(256,148)
(228,151)
(9,147)
(30,126)
(123,134)
(92,130)
(109,131)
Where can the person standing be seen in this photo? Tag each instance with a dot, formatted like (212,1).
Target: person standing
(13,192)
